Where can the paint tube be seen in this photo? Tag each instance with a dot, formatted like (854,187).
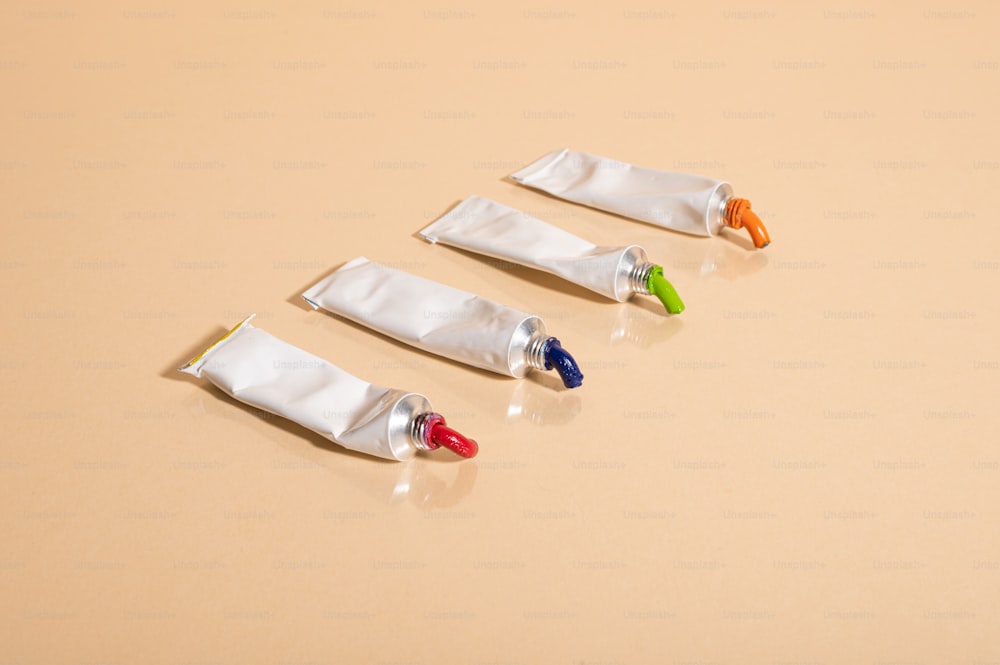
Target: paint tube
(442,320)
(255,367)
(487,227)
(680,201)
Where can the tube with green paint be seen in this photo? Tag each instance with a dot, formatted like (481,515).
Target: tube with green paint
(486,227)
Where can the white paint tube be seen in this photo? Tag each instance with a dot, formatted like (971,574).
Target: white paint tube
(442,320)
(684,202)
(486,227)
(259,369)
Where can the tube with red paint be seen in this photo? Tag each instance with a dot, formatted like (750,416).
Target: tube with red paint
(259,369)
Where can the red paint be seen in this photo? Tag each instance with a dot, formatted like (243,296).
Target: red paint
(442,435)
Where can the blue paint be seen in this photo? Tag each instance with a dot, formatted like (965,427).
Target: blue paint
(559,359)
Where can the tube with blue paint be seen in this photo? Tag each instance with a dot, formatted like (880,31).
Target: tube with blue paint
(443,320)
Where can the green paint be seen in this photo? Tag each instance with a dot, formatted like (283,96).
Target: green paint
(658,285)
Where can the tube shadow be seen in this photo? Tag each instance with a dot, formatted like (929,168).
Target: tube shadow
(420,481)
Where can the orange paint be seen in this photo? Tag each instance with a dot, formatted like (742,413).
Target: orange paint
(739,215)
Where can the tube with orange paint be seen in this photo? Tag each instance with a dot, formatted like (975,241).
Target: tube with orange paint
(684,202)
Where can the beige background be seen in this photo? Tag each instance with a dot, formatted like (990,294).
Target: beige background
(802,468)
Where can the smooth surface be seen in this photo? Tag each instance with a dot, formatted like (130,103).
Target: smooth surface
(800,468)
